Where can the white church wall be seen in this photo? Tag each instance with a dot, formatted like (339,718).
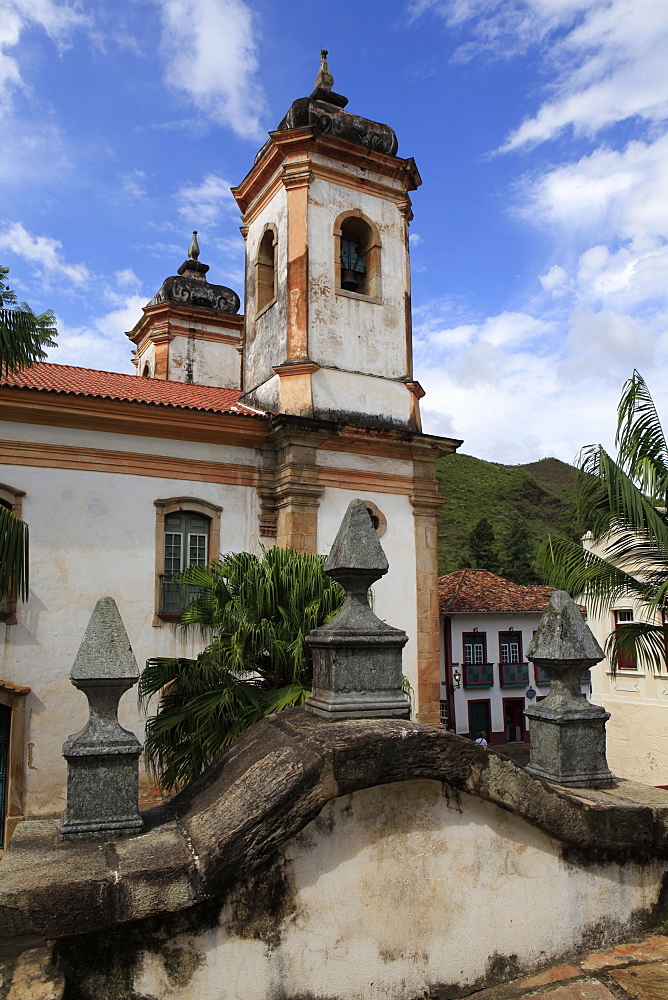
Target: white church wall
(364,463)
(135,443)
(266,336)
(343,392)
(205,362)
(147,357)
(387,894)
(364,336)
(93,534)
(395,594)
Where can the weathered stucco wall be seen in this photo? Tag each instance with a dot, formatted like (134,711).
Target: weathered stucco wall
(351,860)
(93,533)
(394,600)
(349,332)
(637,731)
(400,891)
(341,393)
(206,362)
(265,339)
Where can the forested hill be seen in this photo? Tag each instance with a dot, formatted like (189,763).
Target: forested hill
(540,494)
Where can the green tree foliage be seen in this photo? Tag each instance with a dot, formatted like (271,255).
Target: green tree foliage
(482,547)
(23,339)
(256,613)
(622,503)
(518,554)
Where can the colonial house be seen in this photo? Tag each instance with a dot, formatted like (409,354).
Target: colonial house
(636,695)
(487,623)
(237,431)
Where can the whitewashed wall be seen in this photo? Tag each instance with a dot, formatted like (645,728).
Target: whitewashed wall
(401,891)
(204,362)
(93,534)
(349,332)
(265,342)
(637,731)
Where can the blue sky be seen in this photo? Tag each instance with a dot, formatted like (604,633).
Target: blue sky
(539,244)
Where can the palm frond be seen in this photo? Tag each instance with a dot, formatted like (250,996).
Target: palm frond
(24,337)
(256,612)
(640,440)
(610,503)
(638,642)
(569,566)
(14,563)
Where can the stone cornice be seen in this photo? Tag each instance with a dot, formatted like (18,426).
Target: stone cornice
(296,147)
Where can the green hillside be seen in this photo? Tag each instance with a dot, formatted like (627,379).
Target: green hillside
(541,494)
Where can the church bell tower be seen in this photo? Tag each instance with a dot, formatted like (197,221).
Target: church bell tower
(326,211)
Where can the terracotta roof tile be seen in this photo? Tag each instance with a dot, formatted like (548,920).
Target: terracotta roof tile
(478,590)
(68,379)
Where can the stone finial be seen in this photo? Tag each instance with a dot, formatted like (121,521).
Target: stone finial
(356,548)
(193,249)
(567,732)
(324,80)
(105,650)
(103,758)
(356,656)
(563,635)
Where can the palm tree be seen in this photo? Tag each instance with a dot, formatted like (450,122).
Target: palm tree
(23,337)
(623,504)
(256,612)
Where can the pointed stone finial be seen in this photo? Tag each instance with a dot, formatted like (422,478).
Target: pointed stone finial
(356,656)
(105,651)
(193,251)
(102,758)
(562,634)
(324,80)
(356,547)
(567,732)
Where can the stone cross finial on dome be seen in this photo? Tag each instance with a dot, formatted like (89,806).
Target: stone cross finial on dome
(324,80)
(193,252)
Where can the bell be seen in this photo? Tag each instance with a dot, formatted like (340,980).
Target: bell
(349,280)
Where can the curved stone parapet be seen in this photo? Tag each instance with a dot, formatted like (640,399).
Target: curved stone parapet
(268,787)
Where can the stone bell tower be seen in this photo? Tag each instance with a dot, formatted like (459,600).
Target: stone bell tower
(328,321)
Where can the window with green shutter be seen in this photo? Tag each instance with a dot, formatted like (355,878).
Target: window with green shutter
(186,544)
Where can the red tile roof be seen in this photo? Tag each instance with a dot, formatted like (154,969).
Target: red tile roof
(478,590)
(68,379)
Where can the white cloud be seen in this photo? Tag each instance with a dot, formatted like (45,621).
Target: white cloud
(516,387)
(554,280)
(203,204)
(209,49)
(132,183)
(44,252)
(611,66)
(620,198)
(620,192)
(607,58)
(57,20)
(101,343)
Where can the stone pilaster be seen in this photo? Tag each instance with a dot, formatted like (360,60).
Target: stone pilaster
(290,490)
